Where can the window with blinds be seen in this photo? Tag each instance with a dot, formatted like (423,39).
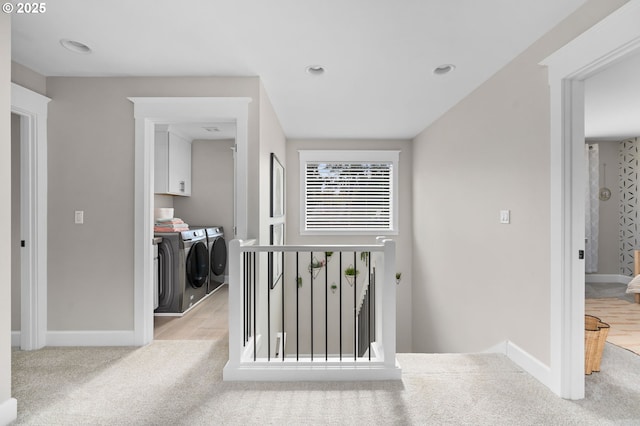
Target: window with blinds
(347,196)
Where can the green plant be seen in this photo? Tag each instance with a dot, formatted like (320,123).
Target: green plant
(398,277)
(334,287)
(364,256)
(299,281)
(328,254)
(351,271)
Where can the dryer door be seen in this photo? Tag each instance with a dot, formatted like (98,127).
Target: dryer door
(219,256)
(197,265)
(166,291)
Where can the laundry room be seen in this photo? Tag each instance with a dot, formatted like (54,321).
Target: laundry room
(193,217)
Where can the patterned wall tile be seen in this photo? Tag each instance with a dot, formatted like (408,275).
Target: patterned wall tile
(629,171)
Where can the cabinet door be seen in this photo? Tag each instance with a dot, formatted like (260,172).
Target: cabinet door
(179,165)
(161,181)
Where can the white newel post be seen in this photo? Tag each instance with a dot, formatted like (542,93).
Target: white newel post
(235,304)
(389,304)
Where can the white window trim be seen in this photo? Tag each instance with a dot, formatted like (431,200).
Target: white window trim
(354,156)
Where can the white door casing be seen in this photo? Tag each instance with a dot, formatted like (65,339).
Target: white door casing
(607,42)
(32,109)
(149,111)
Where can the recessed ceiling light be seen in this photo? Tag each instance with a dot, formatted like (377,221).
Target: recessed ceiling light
(444,69)
(315,69)
(75,46)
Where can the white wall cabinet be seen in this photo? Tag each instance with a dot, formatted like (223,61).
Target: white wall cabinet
(172,164)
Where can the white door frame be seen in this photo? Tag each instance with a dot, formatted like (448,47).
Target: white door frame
(32,109)
(615,37)
(148,112)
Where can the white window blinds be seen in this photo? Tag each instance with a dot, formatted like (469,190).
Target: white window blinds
(348,196)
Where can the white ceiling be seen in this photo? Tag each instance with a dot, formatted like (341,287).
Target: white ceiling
(612,101)
(378,54)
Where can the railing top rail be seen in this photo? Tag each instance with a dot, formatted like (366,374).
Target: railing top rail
(313,248)
(244,243)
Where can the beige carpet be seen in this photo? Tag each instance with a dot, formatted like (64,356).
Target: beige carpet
(623,318)
(179,383)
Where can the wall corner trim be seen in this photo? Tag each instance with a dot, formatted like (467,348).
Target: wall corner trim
(524,360)
(15,338)
(529,363)
(8,411)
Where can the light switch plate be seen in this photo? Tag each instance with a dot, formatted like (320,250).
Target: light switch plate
(505,216)
(79,217)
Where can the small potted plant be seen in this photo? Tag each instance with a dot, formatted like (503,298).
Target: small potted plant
(334,287)
(351,274)
(299,281)
(398,277)
(316,265)
(327,255)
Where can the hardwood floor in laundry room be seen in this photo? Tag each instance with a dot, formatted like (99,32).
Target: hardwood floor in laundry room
(623,318)
(207,321)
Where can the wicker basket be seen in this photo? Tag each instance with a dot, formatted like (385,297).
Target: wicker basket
(595,335)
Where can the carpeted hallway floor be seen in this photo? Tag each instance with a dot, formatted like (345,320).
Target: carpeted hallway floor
(180,383)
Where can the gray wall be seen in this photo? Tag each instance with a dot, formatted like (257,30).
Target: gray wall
(28,78)
(272,140)
(91,166)
(211,200)
(477,282)
(5,213)
(608,229)
(15,222)
(404,238)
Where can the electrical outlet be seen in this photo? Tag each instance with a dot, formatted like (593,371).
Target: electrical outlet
(505,216)
(79,217)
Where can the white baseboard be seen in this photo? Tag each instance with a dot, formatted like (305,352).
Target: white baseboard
(8,411)
(91,338)
(607,278)
(15,338)
(500,348)
(283,372)
(524,360)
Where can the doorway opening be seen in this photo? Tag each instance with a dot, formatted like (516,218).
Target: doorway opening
(149,112)
(605,43)
(612,131)
(193,306)
(29,112)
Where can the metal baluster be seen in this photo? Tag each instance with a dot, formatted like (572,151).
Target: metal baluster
(268,281)
(374,304)
(297,306)
(282,289)
(253,265)
(340,289)
(311,274)
(369,306)
(355,308)
(244,301)
(326,307)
